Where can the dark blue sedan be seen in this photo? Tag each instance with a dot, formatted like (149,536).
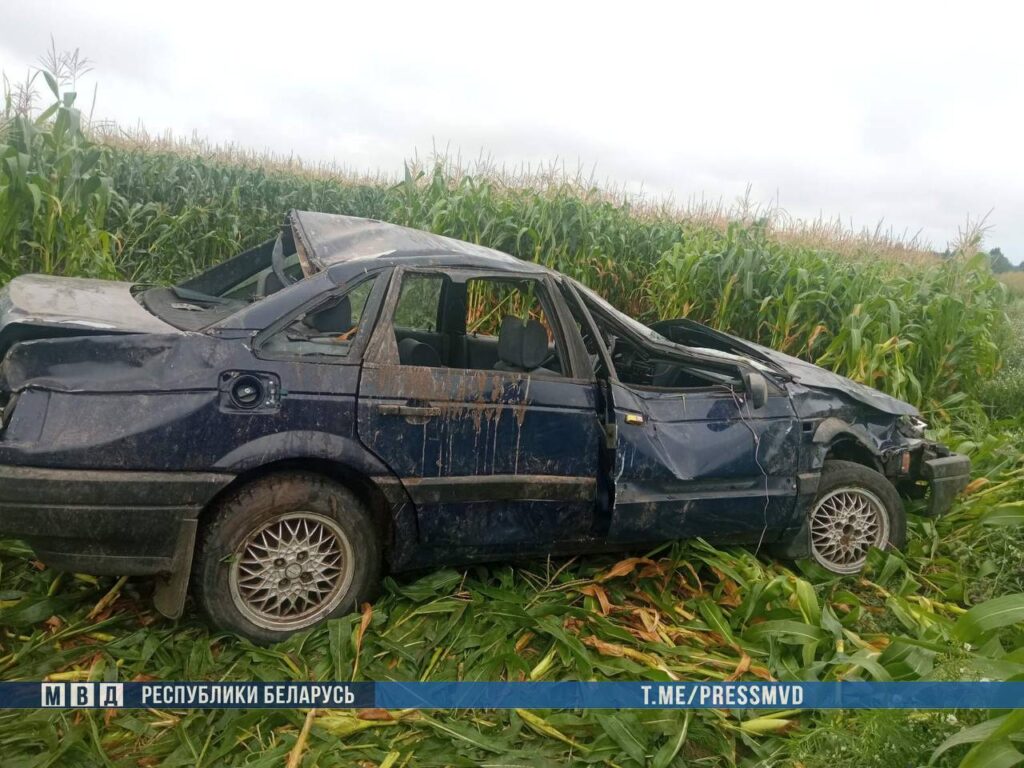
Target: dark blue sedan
(353,396)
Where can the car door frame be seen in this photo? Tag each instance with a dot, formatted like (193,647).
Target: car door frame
(379,351)
(381,356)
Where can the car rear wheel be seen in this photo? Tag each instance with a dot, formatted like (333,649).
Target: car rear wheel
(284,553)
(856,509)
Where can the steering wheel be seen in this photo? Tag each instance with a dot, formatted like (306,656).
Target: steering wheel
(277,262)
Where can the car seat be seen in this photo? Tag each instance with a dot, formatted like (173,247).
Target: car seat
(522,346)
(413,352)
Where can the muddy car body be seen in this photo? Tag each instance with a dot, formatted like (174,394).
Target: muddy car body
(282,427)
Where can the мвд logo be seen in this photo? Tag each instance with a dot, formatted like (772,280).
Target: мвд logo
(82,695)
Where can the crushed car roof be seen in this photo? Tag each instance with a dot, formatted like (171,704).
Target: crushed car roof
(325,239)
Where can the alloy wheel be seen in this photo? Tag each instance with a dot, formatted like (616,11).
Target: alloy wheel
(292,571)
(845,523)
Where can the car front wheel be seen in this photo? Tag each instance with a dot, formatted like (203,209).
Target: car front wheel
(856,509)
(284,553)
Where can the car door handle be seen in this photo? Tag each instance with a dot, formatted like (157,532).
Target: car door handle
(419,411)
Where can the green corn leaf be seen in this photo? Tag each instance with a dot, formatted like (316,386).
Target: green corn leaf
(1008,513)
(37,197)
(51,82)
(790,632)
(990,615)
(980,732)
(997,753)
(628,740)
(668,751)
(808,602)
(715,619)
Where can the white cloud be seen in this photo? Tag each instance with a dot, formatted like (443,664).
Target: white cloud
(907,112)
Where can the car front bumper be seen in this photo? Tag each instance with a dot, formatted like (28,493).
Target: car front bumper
(105,522)
(946,477)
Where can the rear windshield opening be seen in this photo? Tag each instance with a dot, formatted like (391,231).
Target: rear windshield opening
(223,289)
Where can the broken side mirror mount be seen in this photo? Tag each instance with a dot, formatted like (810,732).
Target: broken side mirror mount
(757,388)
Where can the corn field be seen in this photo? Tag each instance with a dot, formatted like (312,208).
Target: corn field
(934,332)
(924,332)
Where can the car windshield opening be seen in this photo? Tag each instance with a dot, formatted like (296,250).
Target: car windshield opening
(640,364)
(595,299)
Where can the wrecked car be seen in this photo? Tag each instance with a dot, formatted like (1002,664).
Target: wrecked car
(353,396)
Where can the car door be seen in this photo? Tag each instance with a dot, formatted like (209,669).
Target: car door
(494,460)
(694,460)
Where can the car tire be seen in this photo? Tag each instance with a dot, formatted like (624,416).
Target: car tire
(856,508)
(284,553)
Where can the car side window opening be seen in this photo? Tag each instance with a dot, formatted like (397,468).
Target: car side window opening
(326,328)
(482,323)
(419,303)
(642,365)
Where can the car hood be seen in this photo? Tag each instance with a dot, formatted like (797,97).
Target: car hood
(682,330)
(811,375)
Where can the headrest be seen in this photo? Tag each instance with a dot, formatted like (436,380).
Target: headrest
(337,318)
(412,352)
(522,344)
(271,283)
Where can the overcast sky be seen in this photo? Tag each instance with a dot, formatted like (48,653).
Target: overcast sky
(906,113)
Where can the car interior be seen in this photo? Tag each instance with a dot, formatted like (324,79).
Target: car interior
(480,324)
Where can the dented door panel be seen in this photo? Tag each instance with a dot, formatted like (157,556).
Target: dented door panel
(157,403)
(702,463)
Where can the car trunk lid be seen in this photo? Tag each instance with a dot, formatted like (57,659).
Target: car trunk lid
(44,306)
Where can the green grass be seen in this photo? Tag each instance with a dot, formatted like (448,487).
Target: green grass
(930,331)
(686,612)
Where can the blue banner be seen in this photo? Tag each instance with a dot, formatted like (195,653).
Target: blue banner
(566,695)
